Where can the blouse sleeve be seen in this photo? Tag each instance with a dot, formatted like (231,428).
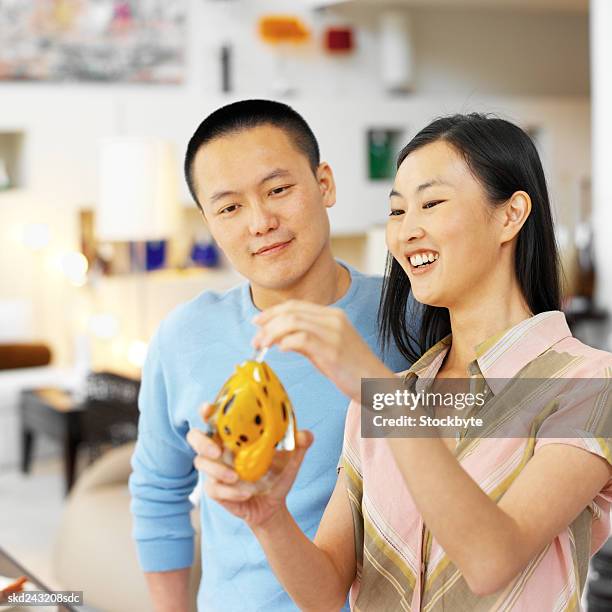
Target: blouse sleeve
(350,462)
(584,420)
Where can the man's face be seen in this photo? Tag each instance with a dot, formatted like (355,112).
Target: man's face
(264,206)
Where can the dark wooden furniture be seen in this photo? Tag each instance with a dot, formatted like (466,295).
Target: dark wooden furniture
(75,422)
(22,355)
(12,569)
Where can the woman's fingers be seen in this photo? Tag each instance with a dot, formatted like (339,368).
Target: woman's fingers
(304,439)
(203,444)
(206,410)
(311,347)
(299,316)
(324,329)
(287,307)
(286,477)
(215,469)
(207,460)
(223,492)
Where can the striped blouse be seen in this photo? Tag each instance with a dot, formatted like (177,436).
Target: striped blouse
(400,564)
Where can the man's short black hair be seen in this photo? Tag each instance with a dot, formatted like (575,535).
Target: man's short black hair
(246,114)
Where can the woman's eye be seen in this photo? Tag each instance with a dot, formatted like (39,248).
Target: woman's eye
(396,213)
(432,204)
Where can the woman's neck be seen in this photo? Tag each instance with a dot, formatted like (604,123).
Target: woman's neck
(478,318)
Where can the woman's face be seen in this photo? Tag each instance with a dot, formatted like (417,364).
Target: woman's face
(442,229)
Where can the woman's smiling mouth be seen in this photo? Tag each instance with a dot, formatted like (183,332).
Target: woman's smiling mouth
(422,261)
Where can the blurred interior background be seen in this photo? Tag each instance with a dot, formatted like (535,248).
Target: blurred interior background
(97,96)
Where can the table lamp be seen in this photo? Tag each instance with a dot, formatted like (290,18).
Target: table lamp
(138,190)
(138,203)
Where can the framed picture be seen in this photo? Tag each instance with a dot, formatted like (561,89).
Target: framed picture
(116,41)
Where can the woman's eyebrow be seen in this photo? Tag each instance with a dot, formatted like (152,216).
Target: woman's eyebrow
(422,187)
(432,183)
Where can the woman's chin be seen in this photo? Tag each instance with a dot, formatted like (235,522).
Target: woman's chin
(427,299)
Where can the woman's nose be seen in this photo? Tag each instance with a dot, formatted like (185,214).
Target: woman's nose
(410,230)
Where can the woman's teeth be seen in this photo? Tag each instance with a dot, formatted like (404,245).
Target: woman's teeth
(423,258)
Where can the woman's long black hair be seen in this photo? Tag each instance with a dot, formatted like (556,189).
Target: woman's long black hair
(504,160)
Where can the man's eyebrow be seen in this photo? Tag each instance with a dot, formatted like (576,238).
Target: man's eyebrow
(393,193)
(218,195)
(277,173)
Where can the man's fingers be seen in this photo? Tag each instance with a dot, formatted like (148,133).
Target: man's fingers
(203,444)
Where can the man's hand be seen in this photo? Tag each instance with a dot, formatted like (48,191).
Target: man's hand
(169,590)
(239,497)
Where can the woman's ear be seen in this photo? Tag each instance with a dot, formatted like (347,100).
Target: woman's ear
(514,214)
(327,185)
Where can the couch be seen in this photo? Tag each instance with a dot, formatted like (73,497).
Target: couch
(25,363)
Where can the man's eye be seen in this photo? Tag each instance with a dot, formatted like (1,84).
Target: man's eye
(396,213)
(432,203)
(228,209)
(279,190)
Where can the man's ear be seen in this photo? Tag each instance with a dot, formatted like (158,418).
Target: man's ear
(514,213)
(327,184)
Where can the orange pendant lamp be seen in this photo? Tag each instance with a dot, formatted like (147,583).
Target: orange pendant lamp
(279,29)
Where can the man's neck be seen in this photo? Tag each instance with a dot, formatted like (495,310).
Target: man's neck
(324,283)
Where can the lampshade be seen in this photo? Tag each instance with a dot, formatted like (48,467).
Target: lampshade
(277,29)
(396,50)
(138,190)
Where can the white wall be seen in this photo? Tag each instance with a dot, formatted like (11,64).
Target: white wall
(465,61)
(601,22)
(457,51)
(469,51)
(461,56)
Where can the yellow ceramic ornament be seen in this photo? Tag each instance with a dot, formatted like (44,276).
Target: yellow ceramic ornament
(253,418)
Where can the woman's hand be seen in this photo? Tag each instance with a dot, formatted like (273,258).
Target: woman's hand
(238,496)
(324,335)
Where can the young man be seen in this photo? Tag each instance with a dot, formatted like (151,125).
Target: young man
(253,168)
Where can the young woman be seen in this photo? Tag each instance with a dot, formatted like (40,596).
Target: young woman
(429,523)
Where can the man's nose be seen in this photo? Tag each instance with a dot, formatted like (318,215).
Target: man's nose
(262,220)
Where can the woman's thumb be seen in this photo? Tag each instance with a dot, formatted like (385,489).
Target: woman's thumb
(304,439)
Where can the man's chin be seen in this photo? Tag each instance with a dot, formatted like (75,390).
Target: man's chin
(277,277)
(276,284)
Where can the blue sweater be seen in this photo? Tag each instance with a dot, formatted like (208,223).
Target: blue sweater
(193,352)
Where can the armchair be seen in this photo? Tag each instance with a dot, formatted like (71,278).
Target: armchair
(94,550)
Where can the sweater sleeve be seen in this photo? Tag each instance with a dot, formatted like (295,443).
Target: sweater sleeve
(163,475)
